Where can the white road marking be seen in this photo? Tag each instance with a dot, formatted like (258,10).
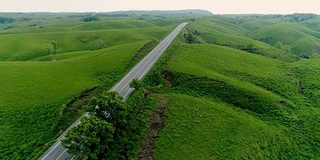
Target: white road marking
(51,150)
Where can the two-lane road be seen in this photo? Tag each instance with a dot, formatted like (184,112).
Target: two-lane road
(57,152)
(144,66)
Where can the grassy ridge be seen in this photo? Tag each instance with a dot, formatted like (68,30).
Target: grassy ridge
(218,62)
(114,24)
(263,88)
(216,88)
(230,35)
(30,46)
(201,129)
(30,95)
(41,91)
(77,74)
(303,41)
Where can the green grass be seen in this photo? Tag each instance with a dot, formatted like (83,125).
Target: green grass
(218,62)
(27,79)
(114,24)
(33,92)
(254,25)
(308,70)
(201,129)
(235,37)
(37,87)
(264,90)
(222,97)
(303,41)
(30,46)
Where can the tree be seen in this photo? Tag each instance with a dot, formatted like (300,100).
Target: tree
(54,46)
(250,47)
(90,18)
(90,139)
(279,45)
(110,107)
(190,37)
(287,48)
(97,44)
(6,20)
(48,47)
(136,84)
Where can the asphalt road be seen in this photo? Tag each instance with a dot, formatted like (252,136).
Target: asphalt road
(57,152)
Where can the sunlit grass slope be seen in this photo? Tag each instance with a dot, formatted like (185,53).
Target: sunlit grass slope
(235,36)
(37,85)
(30,46)
(71,24)
(219,61)
(202,129)
(263,92)
(114,24)
(33,92)
(303,41)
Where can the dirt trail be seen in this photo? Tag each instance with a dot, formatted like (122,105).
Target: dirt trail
(156,123)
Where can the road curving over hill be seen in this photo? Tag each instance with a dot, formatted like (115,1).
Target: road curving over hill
(57,151)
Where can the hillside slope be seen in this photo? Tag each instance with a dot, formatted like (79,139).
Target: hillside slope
(222,96)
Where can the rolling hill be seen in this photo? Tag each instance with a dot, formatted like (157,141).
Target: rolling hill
(43,93)
(227,101)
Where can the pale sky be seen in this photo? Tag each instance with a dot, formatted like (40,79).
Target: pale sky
(215,6)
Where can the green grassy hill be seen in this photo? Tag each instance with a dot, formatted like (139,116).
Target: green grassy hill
(303,41)
(228,102)
(33,94)
(202,129)
(29,46)
(217,31)
(42,94)
(262,87)
(231,93)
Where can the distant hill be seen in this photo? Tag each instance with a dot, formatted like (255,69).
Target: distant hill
(167,13)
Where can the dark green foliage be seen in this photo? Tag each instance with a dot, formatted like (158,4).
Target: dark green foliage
(190,37)
(286,47)
(279,45)
(250,48)
(106,78)
(106,121)
(109,106)
(136,84)
(90,18)
(55,46)
(299,17)
(48,47)
(9,27)
(6,20)
(90,139)
(97,44)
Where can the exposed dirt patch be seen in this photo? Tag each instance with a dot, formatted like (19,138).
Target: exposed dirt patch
(156,123)
(168,83)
